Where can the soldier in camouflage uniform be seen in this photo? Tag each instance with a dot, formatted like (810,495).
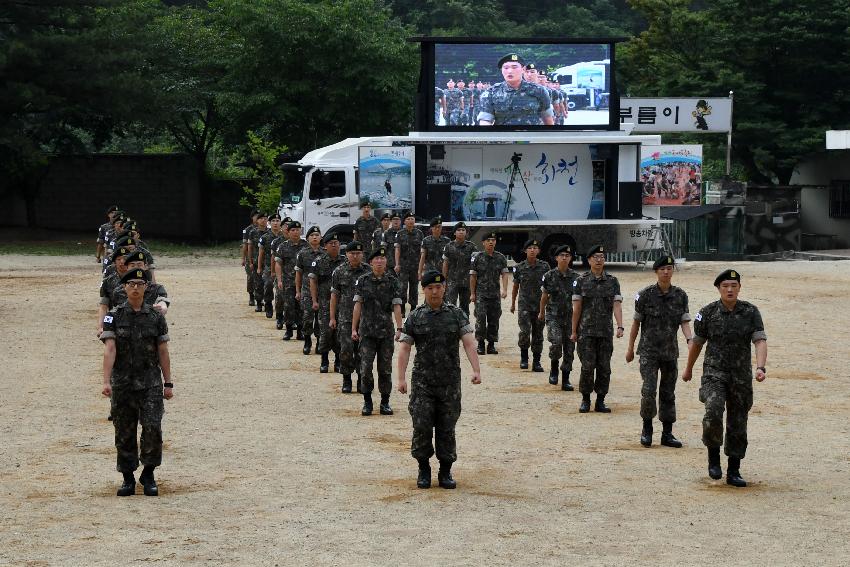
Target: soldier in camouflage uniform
(377,300)
(435,328)
(264,262)
(365,227)
(387,240)
(285,257)
(279,304)
(342,309)
(660,310)
(728,326)
(320,292)
(454,104)
(112,292)
(431,253)
(439,105)
(515,101)
(464,113)
(303,264)
(487,271)
(596,296)
(556,308)
(135,365)
(253,257)
(528,275)
(378,235)
(457,258)
(408,246)
(100,249)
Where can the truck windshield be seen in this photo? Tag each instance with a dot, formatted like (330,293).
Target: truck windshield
(293,187)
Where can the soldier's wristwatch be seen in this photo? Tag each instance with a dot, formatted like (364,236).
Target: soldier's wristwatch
(762,368)
(168,385)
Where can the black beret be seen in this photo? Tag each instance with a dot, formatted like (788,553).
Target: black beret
(286,220)
(409,214)
(294,224)
(510,57)
(135,256)
(378,252)
(531,66)
(330,237)
(131,226)
(564,248)
(396,215)
(125,240)
(274,216)
(727,275)
(531,242)
(432,276)
(354,246)
(596,249)
(436,221)
(460,225)
(119,253)
(489,235)
(313,230)
(365,203)
(262,215)
(119,217)
(387,216)
(136,274)
(112,209)
(663,261)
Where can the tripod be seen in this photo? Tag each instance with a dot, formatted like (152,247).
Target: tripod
(515,172)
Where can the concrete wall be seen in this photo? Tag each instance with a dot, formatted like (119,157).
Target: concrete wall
(821,170)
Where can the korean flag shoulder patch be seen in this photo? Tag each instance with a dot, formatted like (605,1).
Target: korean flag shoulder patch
(637,297)
(699,316)
(107,319)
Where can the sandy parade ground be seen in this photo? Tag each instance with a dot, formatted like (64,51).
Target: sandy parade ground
(266,463)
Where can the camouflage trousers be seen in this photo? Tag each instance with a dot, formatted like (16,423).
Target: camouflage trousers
(595,356)
(279,302)
(558,334)
(409,287)
(259,288)
(309,318)
(382,349)
(291,306)
(249,278)
(457,294)
(129,409)
(454,117)
(649,371)
(268,289)
(434,410)
(328,338)
(487,313)
(349,351)
(732,391)
(530,330)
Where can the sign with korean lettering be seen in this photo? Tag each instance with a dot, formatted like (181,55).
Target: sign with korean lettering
(671,174)
(677,114)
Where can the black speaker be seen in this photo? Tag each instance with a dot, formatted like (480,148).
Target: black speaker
(440,200)
(631,200)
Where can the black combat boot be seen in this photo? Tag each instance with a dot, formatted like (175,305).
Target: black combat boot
(646,433)
(367,404)
(279,325)
(714,470)
(128,488)
(491,348)
(359,384)
(523,359)
(733,473)
(336,363)
(308,345)
(148,482)
(288,334)
(259,307)
(346,383)
(323,368)
(667,438)
(444,476)
(480,349)
(535,365)
(600,405)
(250,303)
(423,480)
(585,403)
(565,381)
(299,335)
(385,408)
(269,312)
(316,350)
(553,371)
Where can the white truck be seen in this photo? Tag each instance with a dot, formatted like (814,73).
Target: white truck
(576,188)
(585,84)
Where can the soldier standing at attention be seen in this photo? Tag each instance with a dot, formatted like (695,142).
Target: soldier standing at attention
(487,271)
(435,328)
(135,365)
(431,253)
(439,105)
(728,326)
(454,104)
(596,296)
(528,275)
(388,240)
(377,301)
(320,292)
(378,235)
(342,309)
(464,93)
(285,257)
(365,226)
(515,101)
(408,245)
(264,262)
(303,264)
(457,258)
(280,238)
(556,307)
(100,248)
(246,259)
(253,257)
(660,310)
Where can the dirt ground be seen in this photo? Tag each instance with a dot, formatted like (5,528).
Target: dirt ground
(266,463)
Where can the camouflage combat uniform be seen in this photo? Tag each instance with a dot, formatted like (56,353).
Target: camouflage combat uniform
(727,376)
(342,285)
(321,270)
(459,258)
(438,107)
(304,263)
(660,315)
(112,293)
(453,98)
(365,233)
(596,330)
(488,301)
(246,233)
(525,105)
(257,279)
(268,278)
(386,238)
(271,254)
(409,245)
(435,383)
(559,315)
(377,297)
(136,383)
(433,248)
(286,255)
(530,327)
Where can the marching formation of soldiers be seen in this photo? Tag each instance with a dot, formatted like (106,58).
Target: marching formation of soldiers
(363,299)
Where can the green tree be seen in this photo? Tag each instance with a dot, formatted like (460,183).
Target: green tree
(264,178)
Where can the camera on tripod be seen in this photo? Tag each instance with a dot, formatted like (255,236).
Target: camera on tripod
(516,158)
